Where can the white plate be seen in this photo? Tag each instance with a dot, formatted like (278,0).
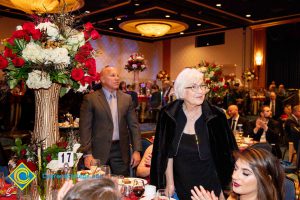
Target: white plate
(132,181)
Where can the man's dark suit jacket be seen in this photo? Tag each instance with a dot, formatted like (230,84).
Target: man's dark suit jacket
(96,125)
(243,121)
(278,108)
(272,134)
(292,129)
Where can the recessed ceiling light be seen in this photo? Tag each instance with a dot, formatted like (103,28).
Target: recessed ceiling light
(87,12)
(111,28)
(119,18)
(207,44)
(218,5)
(181,33)
(136,4)
(167,16)
(248,15)
(199,24)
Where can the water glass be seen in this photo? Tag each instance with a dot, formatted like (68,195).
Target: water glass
(94,165)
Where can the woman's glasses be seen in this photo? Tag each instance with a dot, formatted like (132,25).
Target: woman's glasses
(195,87)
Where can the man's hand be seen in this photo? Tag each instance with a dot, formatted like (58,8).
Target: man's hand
(87,161)
(135,159)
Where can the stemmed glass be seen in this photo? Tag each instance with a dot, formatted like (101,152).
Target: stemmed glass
(94,165)
(105,170)
(162,194)
(138,187)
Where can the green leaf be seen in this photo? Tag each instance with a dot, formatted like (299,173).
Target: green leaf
(63,91)
(18,142)
(12,83)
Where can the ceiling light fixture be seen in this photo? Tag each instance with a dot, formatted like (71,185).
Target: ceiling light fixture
(153,27)
(119,18)
(136,4)
(111,28)
(38,6)
(199,24)
(248,15)
(218,5)
(167,16)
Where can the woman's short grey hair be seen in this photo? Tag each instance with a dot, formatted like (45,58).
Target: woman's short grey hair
(186,78)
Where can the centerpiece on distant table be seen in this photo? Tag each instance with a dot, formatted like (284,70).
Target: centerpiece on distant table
(135,63)
(248,76)
(51,57)
(163,76)
(214,79)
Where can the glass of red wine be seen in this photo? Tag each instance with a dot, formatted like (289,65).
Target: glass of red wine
(138,187)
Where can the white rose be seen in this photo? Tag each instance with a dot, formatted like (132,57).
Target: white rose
(19,28)
(33,53)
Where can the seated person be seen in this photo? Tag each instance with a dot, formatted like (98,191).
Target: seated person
(235,119)
(257,175)
(266,129)
(292,126)
(155,102)
(89,190)
(143,169)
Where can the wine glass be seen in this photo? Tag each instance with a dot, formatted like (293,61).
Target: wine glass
(94,165)
(105,170)
(162,194)
(138,187)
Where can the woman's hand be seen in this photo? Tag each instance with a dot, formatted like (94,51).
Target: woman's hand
(201,194)
(170,189)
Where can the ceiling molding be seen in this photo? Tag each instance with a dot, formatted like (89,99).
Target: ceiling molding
(155,8)
(202,20)
(265,25)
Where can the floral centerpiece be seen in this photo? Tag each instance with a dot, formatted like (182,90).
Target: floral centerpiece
(51,57)
(44,163)
(249,75)
(163,76)
(49,50)
(213,78)
(135,62)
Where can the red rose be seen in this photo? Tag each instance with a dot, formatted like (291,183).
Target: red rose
(19,34)
(18,61)
(80,57)
(86,47)
(95,35)
(90,63)
(221,79)
(48,158)
(207,81)
(3,62)
(8,53)
(86,35)
(21,161)
(23,152)
(31,165)
(77,74)
(88,26)
(36,34)
(62,145)
(92,70)
(86,79)
(28,26)
(11,40)
(225,86)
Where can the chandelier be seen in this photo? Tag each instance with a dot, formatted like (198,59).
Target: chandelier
(43,6)
(153,27)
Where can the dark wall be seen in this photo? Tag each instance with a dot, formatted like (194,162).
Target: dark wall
(283,55)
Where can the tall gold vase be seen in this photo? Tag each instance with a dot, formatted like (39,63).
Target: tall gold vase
(46,115)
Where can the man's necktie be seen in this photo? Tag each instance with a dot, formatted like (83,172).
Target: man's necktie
(273,108)
(114,114)
(233,124)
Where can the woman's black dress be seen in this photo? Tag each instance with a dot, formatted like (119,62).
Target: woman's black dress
(193,166)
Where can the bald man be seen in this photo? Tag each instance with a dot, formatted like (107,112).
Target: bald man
(107,124)
(235,119)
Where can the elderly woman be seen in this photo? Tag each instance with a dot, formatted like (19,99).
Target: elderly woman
(193,143)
